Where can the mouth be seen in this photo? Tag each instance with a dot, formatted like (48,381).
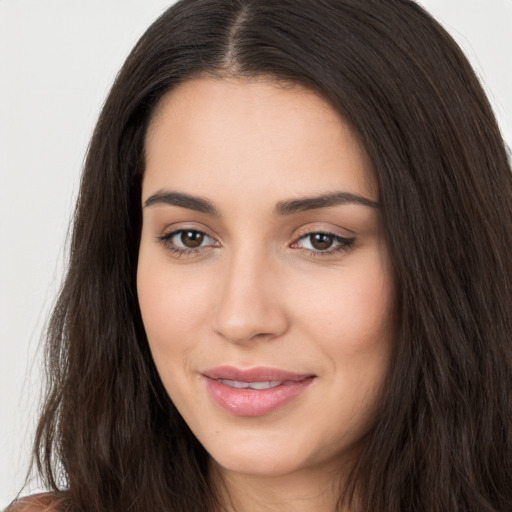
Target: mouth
(256,391)
(238,384)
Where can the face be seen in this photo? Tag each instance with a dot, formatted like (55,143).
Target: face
(263,276)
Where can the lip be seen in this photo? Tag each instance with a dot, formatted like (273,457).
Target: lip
(254,402)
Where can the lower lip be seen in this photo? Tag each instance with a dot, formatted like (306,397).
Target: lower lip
(255,402)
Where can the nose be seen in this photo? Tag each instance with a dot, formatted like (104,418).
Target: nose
(250,304)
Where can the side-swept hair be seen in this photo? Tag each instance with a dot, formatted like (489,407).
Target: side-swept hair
(109,437)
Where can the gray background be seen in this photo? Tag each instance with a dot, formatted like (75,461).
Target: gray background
(58,59)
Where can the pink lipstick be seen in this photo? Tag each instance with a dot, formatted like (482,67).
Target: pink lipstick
(256,391)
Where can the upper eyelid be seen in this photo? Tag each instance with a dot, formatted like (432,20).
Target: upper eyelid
(335,230)
(326,231)
(166,240)
(337,238)
(173,232)
(300,232)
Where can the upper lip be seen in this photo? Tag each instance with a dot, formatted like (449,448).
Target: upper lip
(259,374)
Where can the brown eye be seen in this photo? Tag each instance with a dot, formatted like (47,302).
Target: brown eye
(321,241)
(191,239)
(184,240)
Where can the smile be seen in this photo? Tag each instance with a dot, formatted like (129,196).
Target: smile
(254,392)
(252,385)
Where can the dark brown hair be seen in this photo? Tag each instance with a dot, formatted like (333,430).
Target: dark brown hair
(109,437)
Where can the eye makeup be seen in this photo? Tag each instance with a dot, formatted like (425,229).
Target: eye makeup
(189,242)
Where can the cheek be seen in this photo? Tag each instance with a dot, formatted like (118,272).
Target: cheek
(351,311)
(173,305)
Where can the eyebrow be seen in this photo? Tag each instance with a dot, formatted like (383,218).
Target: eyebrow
(183,200)
(323,201)
(282,208)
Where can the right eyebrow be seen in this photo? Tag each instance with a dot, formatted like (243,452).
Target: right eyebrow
(183,200)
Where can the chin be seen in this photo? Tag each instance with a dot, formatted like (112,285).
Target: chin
(266,456)
(259,465)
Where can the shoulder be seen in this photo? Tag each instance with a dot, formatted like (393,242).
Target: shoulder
(46,502)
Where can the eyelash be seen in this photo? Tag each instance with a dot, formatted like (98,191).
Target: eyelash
(181,251)
(344,244)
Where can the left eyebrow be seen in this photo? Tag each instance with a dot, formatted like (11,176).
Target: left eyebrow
(323,201)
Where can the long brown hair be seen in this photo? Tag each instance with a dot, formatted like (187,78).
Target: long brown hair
(109,437)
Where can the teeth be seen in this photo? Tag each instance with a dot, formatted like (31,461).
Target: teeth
(264,385)
(252,385)
(234,383)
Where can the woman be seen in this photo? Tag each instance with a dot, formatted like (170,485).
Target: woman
(289,285)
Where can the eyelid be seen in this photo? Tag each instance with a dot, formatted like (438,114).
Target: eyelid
(342,243)
(312,228)
(187,226)
(340,239)
(178,251)
(178,232)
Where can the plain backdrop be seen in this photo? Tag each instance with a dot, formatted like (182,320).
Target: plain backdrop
(58,59)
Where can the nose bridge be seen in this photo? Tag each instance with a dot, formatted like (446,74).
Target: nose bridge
(249,303)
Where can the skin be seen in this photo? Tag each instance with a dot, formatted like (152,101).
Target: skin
(257,291)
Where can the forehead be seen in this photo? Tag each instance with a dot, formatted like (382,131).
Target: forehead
(252,134)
